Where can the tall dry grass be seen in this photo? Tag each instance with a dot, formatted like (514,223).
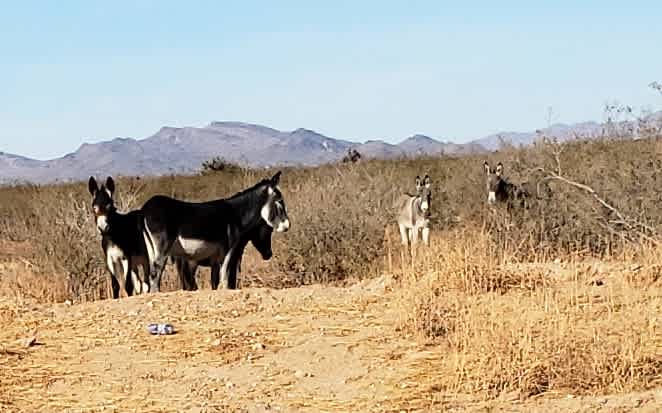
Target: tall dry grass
(340,212)
(505,327)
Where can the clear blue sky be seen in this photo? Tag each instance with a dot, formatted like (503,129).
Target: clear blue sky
(75,71)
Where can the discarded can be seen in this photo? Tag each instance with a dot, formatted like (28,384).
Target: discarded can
(160,329)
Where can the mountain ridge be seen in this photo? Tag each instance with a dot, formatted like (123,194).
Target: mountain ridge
(183,149)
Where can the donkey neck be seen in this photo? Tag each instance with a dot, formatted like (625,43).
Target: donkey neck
(248,205)
(416,211)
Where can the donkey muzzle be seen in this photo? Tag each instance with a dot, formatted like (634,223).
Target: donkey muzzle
(283,226)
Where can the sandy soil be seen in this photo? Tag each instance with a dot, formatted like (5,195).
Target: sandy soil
(311,349)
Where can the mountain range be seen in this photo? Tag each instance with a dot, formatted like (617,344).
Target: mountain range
(182,150)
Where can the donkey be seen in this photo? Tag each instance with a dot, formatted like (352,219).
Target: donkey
(210,230)
(414,213)
(121,239)
(500,190)
(260,237)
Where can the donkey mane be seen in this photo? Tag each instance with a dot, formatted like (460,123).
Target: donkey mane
(250,190)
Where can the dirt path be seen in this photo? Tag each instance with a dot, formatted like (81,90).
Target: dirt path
(312,349)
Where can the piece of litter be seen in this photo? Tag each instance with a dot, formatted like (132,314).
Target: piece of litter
(160,329)
(30,341)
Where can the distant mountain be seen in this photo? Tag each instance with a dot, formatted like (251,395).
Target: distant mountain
(182,150)
(561,131)
(425,145)
(564,132)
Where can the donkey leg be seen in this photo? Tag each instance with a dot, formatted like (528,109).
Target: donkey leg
(125,265)
(156,272)
(426,236)
(238,273)
(129,285)
(226,268)
(191,269)
(182,270)
(144,286)
(135,277)
(404,235)
(233,273)
(158,259)
(115,285)
(235,267)
(158,248)
(118,280)
(215,276)
(137,283)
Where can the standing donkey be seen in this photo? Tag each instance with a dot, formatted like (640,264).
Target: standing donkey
(502,191)
(414,213)
(211,230)
(260,237)
(121,239)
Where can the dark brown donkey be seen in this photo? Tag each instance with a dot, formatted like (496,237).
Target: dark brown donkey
(499,190)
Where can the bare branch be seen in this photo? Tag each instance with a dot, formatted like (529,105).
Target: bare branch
(629,224)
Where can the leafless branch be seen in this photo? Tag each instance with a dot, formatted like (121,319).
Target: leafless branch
(629,223)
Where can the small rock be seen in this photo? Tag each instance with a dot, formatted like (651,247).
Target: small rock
(229,385)
(258,346)
(150,304)
(557,261)
(68,302)
(216,342)
(299,374)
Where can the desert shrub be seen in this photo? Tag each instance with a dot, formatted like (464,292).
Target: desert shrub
(340,212)
(219,164)
(572,335)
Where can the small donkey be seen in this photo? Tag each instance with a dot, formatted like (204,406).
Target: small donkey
(500,190)
(122,240)
(414,213)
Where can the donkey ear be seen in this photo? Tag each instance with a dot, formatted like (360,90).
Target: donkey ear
(427,181)
(418,182)
(276,178)
(92,185)
(110,185)
(486,166)
(499,169)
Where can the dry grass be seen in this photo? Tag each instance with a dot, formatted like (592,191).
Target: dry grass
(502,327)
(339,212)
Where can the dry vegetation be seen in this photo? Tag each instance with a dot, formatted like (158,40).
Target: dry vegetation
(561,297)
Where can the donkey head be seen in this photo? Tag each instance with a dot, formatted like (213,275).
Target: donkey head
(102,202)
(274,212)
(497,187)
(261,240)
(424,192)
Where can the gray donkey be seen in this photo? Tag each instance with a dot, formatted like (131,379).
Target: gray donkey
(413,213)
